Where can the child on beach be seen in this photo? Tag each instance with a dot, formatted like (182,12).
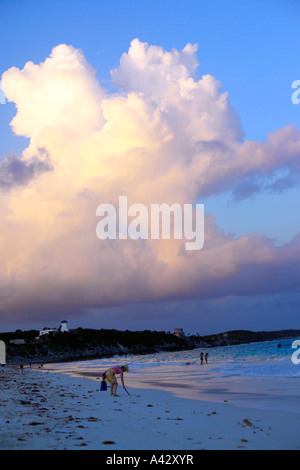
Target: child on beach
(110,376)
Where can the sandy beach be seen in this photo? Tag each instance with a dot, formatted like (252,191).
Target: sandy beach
(48,410)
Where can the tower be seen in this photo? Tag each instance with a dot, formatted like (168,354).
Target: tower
(64,326)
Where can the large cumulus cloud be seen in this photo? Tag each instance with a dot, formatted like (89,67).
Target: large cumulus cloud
(165,136)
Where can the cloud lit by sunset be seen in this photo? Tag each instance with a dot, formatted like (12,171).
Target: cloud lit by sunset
(166,134)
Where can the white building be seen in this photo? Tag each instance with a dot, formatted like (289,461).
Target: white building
(17,341)
(46,331)
(62,327)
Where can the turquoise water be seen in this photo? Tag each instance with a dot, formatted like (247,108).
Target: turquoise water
(263,359)
(254,359)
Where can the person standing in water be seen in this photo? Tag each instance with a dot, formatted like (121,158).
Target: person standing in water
(201,358)
(110,376)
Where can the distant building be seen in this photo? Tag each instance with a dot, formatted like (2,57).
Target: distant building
(46,331)
(17,341)
(63,327)
(179,333)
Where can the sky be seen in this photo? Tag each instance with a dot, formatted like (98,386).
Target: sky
(186,102)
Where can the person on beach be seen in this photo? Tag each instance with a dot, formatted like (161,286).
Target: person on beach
(201,358)
(206,356)
(110,376)
(21,364)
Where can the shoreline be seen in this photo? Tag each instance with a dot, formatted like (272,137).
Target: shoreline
(47,409)
(264,393)
(61,347)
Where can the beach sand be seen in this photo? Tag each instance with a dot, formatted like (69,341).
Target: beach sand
(46,410)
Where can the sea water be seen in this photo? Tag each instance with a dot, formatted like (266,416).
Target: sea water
(261,359)
(259,375)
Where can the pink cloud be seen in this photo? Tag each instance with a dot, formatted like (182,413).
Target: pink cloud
(166,136)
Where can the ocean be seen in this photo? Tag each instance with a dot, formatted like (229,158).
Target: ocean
(263,359)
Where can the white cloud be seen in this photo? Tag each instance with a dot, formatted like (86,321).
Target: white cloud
(166,136)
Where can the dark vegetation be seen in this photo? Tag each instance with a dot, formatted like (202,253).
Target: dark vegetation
(245,336)
(85,343)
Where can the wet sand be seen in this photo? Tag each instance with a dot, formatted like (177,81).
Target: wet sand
(50,410)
